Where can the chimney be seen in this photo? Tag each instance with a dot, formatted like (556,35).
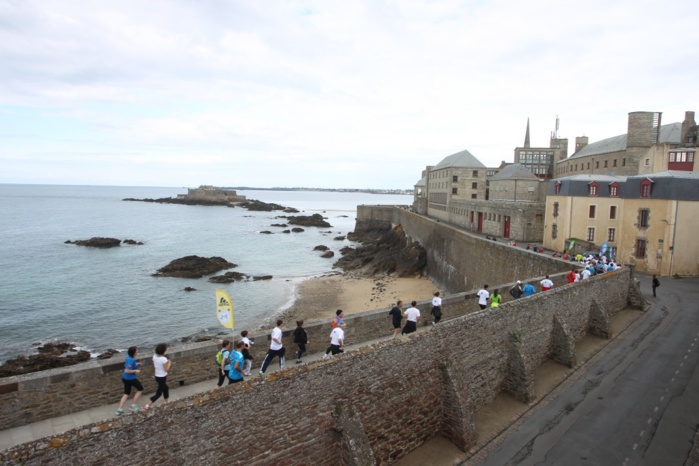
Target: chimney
(686,126)
(580,142)
(644,129)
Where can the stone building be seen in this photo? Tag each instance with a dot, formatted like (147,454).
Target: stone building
(507,201)
(541,161)
(645,219)
(647,147)
(212,194)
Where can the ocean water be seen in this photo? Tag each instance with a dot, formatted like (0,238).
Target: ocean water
(107,298)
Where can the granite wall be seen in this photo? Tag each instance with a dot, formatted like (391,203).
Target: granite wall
(370,406)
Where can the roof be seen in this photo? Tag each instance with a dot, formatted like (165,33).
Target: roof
(668,134)
(463,159)
(669,184)
(422,182)
(514,171)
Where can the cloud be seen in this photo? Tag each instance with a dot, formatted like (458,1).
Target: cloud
(320,93)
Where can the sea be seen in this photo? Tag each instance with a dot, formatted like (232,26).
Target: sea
(107,298)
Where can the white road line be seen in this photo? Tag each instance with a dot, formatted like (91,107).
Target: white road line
(650,419)
(642,433)
(635,445)
(655,410)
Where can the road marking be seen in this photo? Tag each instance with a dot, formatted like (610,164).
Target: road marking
(685,356)
(650,419)
(635,445)
(677,372)
(655,410)
(662,398)
(642,433)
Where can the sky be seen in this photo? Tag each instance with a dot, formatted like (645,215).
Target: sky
(328,94)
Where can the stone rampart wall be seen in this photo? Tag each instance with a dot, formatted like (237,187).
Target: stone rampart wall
(459,261)
(378,402)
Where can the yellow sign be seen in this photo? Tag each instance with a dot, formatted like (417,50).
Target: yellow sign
(224,309)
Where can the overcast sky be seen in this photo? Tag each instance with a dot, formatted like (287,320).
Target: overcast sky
(334,94)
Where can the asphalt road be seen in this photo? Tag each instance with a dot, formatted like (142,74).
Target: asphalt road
(636,404)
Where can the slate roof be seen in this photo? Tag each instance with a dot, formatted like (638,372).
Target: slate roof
(669,184)
(668,134)
(463,159)
(514,171)
(422,182)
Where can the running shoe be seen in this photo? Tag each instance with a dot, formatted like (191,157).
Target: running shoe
(135,408)
(119,412)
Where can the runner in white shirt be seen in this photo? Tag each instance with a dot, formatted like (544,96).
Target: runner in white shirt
(483,296)
(412,314)
(546,284)
(436,308)
(276,348)
(337,341)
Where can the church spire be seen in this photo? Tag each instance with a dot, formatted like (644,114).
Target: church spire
(526,136)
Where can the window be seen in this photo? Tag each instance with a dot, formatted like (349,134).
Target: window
(614,189)
(474,196)
(592,211)
(640,251)
(453,190)
(555,209)
(474,185)
(455,179)
(643,215)
(623,162)
(554,231)
(647,162)
(605,163)
(588,165)
(475,173)
(611,235)
(557,187)
(646,187)
(612,212)
(591,234)
(614,163)
(593,188)
(597,164)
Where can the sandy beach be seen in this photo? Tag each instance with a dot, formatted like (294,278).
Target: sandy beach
(319,298)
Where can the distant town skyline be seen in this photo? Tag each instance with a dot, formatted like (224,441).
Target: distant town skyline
(350,95)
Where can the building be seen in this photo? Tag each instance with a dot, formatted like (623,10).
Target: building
(646,218)
(541,161)
(207,193)
(507,201)
(647,147)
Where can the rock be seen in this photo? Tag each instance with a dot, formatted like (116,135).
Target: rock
(286,231)
(328,254)
(321,247)
(291,210)
(228,277)
(262,277)
(51,355)
(134,242)
(315,220)
(183,201)
(107,354)
(259,206)
(96,242)
(340,238)
(297,230)
(280,225)
(385,253)
(194,267)
(266,232)
(189,288)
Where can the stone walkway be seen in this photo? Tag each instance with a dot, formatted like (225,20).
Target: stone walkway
(40,429)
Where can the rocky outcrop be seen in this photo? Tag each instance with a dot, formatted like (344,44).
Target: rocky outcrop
(50,356)
(391,253)
(97,242)
(297,230)
(189,288)
(134,242)
(340,238)
(183,201)
(321,247)
(328,254)
(266,232)
(315,220)
(194,267)
(230,277)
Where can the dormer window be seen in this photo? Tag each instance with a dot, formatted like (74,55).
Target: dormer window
(557,187)
(614,189)
(593,188)
(646,187)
